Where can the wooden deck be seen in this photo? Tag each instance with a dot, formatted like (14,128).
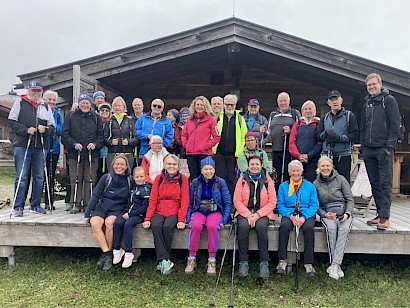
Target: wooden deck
(61,229)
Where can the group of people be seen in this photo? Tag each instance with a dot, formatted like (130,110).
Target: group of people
(228,168)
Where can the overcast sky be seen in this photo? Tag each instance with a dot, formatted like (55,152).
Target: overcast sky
(40,34)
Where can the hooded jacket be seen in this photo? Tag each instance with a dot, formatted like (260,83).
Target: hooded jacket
(302,139)
(331,189)
(138,202)
(380,121)
(124,130)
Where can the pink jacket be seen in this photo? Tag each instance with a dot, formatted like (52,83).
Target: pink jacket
(199,136)
(267,199)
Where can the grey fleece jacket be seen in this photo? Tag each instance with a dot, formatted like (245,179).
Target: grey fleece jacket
(331,189)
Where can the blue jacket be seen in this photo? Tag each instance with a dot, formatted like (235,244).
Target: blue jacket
(146,125)
(309,203)
(221,196)
(59,120)
(114,198)
(344,125)
(139,200)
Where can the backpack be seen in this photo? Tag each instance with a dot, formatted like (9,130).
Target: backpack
(217,183)
(179,180)
(347,114)
(108,181)
(293,113)
(402,128)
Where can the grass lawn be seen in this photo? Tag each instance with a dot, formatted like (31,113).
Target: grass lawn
(56,277)
(7,175)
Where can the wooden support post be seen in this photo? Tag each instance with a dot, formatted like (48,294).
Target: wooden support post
(76,82)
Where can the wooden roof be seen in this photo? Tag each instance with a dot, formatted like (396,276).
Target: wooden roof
(230,43)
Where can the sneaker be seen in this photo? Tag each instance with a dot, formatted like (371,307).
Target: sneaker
(264,269)
(310,271)
(48,207)
(211,269)
(339,271)
(107,263)
(68,207)
(332,271)
(159,267)
(18,212)
(38,210)
(243,268)
(281,268)
(384,224)
(100,262)
(129,257)
(190,266)
(166,267)
(374,221)
(76,209)
(117,255)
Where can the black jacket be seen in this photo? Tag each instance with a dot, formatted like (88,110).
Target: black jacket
(83,128)
(380,121)
(125,130)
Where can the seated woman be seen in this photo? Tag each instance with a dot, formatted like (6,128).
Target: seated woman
(251,148)
(335,209)
(254,200)
(137,206)
(153,160)
(109,199)
(167,208)
(297,194)
(210,205)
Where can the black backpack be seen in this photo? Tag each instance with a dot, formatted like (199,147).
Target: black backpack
(402,128)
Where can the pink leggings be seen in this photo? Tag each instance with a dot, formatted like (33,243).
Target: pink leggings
(212,222)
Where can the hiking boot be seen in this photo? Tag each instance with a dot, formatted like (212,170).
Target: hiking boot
(243,268)
(310,271)
(384,224)
(107,262)
(374,221)
(128,258)
(76,209)
(190,266)
(166,266)
(211,269)
(264,269)
(117,255)
(332,271)
(281,268)
(68,207)
(50,209)
(100,261)
(339,271)
(38,210)
(18,212)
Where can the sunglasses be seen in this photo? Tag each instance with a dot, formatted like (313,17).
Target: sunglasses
(156,106)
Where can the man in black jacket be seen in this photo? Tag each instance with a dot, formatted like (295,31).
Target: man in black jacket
(82,132)
(378,136)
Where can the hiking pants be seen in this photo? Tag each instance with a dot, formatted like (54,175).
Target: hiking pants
(125,226)
(336,233)
(163,231)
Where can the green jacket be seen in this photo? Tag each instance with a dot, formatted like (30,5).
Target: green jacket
(244,156)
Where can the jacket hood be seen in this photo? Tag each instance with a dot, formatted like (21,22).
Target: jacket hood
(145,184)
(378,97)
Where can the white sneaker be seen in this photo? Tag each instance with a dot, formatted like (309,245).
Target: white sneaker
(332,271)
(117,255)
(129,256)
(339,271)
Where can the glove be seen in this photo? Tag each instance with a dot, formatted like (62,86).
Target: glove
(332,136)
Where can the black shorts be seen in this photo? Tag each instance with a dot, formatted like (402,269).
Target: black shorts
(104,215)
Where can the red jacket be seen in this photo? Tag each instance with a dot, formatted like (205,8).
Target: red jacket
(200,135)
(169,198)
(267,199)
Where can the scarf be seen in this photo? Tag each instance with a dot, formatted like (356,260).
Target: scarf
(325,179)
(199,115)
(27,98)
(292,185)
(119,117)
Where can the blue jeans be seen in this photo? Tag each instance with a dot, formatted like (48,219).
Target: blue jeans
(35,162)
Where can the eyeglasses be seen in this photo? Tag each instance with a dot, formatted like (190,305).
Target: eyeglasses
(250,140)
(156,143)
(156,106)
(253,106)
(104,110)
(230,105)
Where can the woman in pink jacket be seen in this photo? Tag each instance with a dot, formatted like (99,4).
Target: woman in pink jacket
(254,200)
(199,134)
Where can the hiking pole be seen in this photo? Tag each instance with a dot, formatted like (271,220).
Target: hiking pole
(233,264)
(21,174)
(51,177)
(212,303)
(46,173)
(283,158)
(90,172)
(297,212)
(77,168)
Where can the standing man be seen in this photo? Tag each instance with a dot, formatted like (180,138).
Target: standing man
(217,105)
(31,120)
(380,121)
(338,129)
(233,129)
(154,122)
(137,108)
(280,124)
(99,98)
(256,122)
(82,135)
